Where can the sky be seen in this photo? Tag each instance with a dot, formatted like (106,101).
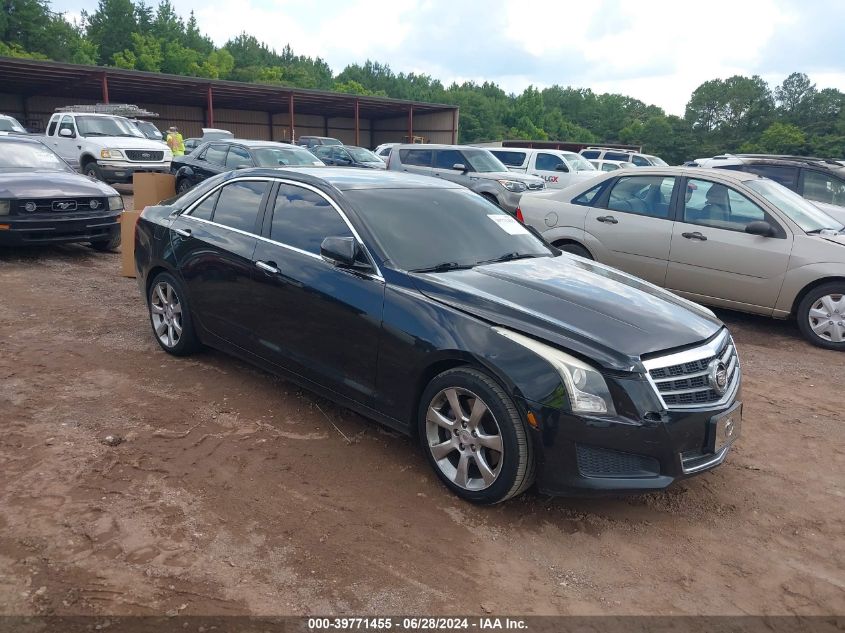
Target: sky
(657,51)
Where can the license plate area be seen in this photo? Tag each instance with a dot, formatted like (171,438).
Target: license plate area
(725,428)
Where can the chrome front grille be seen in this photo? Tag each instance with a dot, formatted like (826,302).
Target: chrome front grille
(145,155)
(27,206)
(693,378)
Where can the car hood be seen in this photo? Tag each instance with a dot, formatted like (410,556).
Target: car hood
(606,315)
(507,175)
(834,211)
(51,184)
(129,142)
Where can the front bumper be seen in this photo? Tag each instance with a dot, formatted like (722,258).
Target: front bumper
(122,171)
(58,229)
(581,456)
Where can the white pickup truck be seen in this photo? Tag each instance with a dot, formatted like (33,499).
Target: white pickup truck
(558,168)
(104,146)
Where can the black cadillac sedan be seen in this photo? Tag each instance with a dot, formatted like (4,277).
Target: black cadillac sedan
(44,201)
(219,156)
(420,304)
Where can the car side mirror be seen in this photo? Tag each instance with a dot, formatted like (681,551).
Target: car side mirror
(343,252)
(561,167)
(459,167)
(66,133)
(761,228)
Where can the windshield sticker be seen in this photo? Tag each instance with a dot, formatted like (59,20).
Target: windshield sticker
(508,224)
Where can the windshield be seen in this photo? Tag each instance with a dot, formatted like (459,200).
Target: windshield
(803,212)
(655,160)
(422,228)
(363,155)
(30,156)
(8,124)
(106,126)
(482,160)
(149,130)
(578,162)
(283,157)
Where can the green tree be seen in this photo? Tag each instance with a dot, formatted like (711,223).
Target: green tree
(782,138)
(109,26)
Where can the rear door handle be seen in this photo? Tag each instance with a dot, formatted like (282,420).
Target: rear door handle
(695,236)
(269,267)
(609,219)
(183,232)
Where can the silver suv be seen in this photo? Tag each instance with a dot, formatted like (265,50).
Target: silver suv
(623,155)
(472,167)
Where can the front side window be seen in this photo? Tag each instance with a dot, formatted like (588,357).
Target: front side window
(238,157)
(550,162)
(823,187)
(416,157)
(51,129)
(609,166)
(642,195)
(448,158)
(714,204)
(303,219)
(482,161)
(215,154)
(67,124)
(578,163)
(362,155)
(239,204)
(640,161)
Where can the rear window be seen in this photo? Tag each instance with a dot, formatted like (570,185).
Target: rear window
(511,159)
(616,156)
(590,153)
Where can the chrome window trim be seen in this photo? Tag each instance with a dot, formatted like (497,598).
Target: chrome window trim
(269,179)
(697,353)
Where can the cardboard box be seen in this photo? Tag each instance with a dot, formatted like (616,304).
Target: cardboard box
(128,219)
(149,190)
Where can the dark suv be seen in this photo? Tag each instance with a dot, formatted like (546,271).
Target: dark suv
(816,179)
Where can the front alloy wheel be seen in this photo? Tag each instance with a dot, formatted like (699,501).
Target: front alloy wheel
(474,436)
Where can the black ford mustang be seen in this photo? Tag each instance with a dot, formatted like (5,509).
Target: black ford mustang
(422,305)
(44,201)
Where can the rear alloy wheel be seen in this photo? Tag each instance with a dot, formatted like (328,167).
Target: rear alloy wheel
(821,316)
(474,438)
(170,317)
(575,249)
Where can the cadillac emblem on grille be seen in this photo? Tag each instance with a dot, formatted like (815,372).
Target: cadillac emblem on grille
(64,205)
(718,376)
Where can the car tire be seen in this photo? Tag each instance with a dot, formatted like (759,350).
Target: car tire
(92,170)
(821,316)
(575,249)
(107,246)
(183,185)
(486,456)
(170,316)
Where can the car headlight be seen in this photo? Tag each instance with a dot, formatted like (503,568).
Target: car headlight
(5,207)
(587,388)
(115,203)
(513,185)
(111,153)
(168,154)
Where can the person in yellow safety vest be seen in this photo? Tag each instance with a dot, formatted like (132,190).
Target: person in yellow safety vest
(175,142)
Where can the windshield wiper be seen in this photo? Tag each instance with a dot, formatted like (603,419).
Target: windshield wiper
(507,257)
(442,267)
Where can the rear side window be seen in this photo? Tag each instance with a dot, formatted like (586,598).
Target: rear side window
(511,159)
(215,154)
(591,195)
(51,131)
(616,156)
(303,219)
(238,205)
(417,157)
(642,195)
(787,176)
(590,153)
(205,209)
(640,161)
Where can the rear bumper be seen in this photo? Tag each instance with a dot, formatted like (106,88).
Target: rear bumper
(58,230)
(579,456)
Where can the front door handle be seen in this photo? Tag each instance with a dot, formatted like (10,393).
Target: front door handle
(269,267)
(695,236)
(609,219)
(183,232)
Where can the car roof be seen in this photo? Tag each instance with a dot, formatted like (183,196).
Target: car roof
(20,137)
(438,146)
(252,143)
(346,178)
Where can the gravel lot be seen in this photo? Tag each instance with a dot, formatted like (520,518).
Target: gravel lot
(234,492)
